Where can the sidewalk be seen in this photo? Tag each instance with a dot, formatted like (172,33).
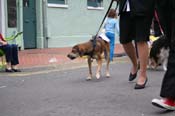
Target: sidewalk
(45,57)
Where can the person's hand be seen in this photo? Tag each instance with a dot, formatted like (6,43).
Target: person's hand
(4,43)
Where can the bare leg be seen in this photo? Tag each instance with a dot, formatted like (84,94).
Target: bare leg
(143,58)
(131,52)
(14,67)
(8,66)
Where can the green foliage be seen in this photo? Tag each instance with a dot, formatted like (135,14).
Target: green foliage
(1,52)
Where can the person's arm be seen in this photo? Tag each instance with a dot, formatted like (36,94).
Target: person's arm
(3,42)
(117,28)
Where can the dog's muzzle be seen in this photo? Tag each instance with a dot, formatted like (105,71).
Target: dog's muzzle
(72,56)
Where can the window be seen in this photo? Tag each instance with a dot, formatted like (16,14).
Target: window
(94,3)
(12,15)
(57,3)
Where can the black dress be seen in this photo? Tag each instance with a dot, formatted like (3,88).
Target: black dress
(139,7)
(135,23)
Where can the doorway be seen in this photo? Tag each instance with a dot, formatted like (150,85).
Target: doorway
(29,24)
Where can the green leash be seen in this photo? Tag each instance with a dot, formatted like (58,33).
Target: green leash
(13,36)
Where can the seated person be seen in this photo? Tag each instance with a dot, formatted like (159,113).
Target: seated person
(11,54)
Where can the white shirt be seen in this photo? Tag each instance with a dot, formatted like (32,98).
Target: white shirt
(127,6)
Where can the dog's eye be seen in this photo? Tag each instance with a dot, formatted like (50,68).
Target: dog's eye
(74,50)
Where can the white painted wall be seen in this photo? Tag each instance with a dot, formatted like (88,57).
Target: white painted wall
(2,17)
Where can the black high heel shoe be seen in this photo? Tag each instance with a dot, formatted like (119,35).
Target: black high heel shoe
(8,70)
(132,76)
(138,86)
(16,70)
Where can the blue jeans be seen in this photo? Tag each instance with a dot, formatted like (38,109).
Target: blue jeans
(111,36)
(11,53)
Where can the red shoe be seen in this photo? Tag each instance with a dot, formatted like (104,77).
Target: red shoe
(168,104)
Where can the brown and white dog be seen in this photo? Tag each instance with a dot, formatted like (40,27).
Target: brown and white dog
(159,53)
(93,52)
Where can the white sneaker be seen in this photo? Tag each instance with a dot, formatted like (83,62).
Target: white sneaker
(168,104)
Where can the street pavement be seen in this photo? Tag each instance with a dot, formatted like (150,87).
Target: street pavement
(63,91)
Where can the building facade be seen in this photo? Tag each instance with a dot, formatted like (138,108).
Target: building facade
(51,23)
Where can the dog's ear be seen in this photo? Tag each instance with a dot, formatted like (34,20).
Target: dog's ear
(79,50)
(75,49)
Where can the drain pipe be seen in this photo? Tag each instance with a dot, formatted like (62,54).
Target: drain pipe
(45,29)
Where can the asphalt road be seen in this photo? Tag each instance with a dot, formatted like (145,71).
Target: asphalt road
(55,92)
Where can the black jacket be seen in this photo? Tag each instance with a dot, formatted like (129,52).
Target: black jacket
(139,7)
(166,13)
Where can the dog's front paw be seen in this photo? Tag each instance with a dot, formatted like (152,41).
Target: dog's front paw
(98,75)
(108,75)
(88,78)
